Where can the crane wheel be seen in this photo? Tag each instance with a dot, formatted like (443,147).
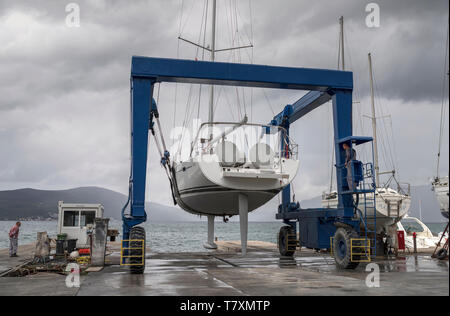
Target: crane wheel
(136,267)
(441,254)
(342,248)
(286,241)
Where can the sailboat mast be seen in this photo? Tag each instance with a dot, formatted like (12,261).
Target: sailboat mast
(446,74)
(213,51)
(341,22)
(420,210)
(374,126)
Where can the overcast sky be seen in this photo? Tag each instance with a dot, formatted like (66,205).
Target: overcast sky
(64,91)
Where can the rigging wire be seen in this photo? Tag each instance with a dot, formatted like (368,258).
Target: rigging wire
(442,121)
(330,115)
(238,52)
(228,102)
(157,96)
(188,111)
(205,18)
(358,109)
(234,55)
(268,102)
(386,143)
(178,55)
(251,57)
(394,146)
(187,19)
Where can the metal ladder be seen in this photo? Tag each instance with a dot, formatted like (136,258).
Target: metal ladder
(397,207)
(369,196)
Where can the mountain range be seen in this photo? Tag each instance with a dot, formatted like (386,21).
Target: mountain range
(42,204)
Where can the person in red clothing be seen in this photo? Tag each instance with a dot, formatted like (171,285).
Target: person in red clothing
(14,240)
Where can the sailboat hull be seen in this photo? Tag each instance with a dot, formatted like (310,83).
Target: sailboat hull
(237,159)
(196,194)
(441,191)
(391,207)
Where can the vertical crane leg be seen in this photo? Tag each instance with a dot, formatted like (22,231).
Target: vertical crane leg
(342,119)
(342,241)
(134,237)
(141,95)
(243,221)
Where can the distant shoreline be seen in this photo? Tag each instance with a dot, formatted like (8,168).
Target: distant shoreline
(173,222)
(149,221)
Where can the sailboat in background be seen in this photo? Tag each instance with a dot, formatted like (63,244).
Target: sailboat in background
(440,188)
(391,204)
(440,184)
(232,167)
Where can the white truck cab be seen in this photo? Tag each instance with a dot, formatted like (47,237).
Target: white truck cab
(76,220)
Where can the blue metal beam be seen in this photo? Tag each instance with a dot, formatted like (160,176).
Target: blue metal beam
(342,118)
(301,107)
(312,213)
(217,73)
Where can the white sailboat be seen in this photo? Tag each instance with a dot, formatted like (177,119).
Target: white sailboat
(218,170)
(391,204)
(233,167)
(440,187)
(440,184)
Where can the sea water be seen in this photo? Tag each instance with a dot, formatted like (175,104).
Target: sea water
(169,237)
(161,237)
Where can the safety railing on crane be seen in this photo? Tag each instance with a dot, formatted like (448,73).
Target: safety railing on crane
(369,246)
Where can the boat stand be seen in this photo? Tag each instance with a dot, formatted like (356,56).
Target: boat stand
(210,244)
(243,221)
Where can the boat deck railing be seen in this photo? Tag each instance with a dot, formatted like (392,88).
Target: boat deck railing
(244,136)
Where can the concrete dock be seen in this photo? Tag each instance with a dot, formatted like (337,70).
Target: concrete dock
(225,272)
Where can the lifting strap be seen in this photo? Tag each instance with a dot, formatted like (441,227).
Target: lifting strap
(165,156)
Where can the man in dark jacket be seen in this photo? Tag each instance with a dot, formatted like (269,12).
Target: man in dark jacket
(350,154)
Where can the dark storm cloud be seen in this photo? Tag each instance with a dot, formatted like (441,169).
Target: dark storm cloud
(94,57)
(407,49)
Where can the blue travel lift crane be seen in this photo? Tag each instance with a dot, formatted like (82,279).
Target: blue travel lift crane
(316,225)
(337,229)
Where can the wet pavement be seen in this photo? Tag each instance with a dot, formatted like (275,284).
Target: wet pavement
(261,272)
(265,273)
(25,252)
